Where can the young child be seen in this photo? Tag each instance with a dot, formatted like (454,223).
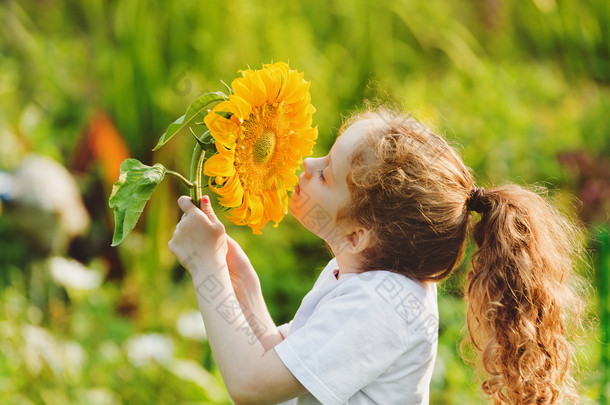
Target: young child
(393,202)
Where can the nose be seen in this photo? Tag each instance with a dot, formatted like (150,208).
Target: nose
(309,165)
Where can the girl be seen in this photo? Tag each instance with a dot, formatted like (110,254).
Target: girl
(393,202)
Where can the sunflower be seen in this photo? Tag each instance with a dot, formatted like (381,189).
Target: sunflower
(261,134)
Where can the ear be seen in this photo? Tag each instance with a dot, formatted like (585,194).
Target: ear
(358,240)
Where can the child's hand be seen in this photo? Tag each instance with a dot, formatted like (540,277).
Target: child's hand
(243,276)
(199,241)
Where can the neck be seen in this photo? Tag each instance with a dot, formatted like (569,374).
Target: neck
(348,263)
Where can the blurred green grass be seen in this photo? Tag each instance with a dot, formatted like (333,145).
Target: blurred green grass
(512,84)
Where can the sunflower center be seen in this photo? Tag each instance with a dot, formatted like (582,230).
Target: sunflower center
(264,146)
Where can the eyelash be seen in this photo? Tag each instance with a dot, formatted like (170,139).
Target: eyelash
(321,175)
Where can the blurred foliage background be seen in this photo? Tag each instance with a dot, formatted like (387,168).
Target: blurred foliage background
(521,88)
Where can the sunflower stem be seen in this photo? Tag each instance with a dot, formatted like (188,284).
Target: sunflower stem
(197,161)
(182,179)
(199,176)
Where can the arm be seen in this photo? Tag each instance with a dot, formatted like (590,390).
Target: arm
(247,288)
(250,374)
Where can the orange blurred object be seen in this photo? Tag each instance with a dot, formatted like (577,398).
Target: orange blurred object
(104,144)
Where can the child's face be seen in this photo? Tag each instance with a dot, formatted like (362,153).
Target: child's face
(322,187)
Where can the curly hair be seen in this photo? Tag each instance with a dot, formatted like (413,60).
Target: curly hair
(410,188)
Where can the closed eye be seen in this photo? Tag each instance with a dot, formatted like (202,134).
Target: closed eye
(321,173)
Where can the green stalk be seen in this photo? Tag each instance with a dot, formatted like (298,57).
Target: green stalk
(197,161)
(180,177)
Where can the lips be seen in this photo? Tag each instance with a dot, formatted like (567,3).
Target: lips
(297,189)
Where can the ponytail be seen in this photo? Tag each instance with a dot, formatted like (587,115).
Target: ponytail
(518,297)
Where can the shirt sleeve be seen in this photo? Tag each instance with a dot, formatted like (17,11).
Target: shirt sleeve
(348,341)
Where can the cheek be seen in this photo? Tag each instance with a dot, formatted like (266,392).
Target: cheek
(304,201)
(315,209)
(292,203)
(295,204)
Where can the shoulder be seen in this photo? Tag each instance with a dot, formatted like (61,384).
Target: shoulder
(387,286)
(401,300)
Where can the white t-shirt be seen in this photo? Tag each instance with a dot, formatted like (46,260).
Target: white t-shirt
(366,338)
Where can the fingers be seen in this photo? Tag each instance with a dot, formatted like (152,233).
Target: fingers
(185,204)
(236,257)
(231,241)
(206,207)
(235,251)
(233,248)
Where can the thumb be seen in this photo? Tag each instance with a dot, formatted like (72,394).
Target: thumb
(206,207)
(185,204)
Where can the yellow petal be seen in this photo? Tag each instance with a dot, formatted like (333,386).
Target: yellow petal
(282,67)
(241,108)
(237,215)
(300,121)
(240,88)
(256,209)
(222,129)
(302,142)
(256,230)
(274,206)
(220,164)
(301,110)
(231,193)
(257,87)
(294,87)
(236,106)
(289,179)
(297,91)
(272,84)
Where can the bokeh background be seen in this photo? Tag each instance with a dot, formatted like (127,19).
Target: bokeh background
(520,88)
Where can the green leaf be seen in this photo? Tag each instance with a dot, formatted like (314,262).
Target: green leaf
(130,194)
(197,109)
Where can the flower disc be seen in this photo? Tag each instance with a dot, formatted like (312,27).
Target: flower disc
(262,133)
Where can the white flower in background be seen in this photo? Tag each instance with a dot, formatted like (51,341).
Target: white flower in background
(190,325)
(40,346)
(63,358)
(101,396)
(46,185)
(72,274)
(43,201)
(110,352)
(74,357)
(144,349)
